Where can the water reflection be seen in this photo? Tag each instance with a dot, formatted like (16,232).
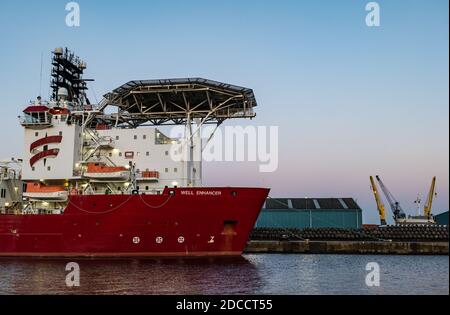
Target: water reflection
(234,275)
(252,274)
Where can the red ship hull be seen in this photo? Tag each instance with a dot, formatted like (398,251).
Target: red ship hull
(179,222)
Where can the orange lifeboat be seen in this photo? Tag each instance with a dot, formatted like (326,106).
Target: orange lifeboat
(39,191)
(99,171)
(149,176)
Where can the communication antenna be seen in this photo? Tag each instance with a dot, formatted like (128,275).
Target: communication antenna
(40,79)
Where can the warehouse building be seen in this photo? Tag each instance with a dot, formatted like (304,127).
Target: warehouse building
(310,213)
(442,219)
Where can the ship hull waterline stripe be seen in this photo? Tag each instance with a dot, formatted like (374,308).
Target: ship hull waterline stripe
(122,255)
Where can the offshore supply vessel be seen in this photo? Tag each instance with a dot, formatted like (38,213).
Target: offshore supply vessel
(103,180)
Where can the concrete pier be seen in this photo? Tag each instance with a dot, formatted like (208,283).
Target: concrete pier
(349,247)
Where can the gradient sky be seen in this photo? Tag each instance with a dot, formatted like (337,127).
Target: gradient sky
(350,101)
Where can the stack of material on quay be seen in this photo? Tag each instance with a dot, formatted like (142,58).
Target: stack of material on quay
(395,233)
(381,240)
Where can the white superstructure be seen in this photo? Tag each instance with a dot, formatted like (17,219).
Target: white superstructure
(118,146)
(10,184)
(61,149)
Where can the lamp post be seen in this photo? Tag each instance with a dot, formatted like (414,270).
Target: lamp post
(310,212)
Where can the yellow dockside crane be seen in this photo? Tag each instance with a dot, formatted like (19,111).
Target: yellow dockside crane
(399,215)
(380,205)
(429,203)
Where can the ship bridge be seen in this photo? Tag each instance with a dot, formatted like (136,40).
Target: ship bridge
(177,101)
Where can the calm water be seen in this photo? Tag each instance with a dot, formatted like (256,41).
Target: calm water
(251,274)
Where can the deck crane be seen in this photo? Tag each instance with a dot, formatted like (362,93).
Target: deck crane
(393,203)
(429,203)
(380,205)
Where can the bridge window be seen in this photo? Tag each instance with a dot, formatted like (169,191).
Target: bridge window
(36,118)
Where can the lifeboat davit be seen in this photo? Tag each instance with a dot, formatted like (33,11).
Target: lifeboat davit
(97,171)
(38,191)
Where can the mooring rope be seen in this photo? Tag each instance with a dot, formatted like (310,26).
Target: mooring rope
(101,212)
(155,207)
(120,205)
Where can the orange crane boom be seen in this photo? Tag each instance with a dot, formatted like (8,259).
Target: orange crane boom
(429,203)
(380,205)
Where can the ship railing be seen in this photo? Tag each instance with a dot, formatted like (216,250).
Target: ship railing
(94,141)
(107,142)
(87,108)
(235,112)
(147,176)
(34,121)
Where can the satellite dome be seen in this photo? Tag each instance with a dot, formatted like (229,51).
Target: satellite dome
(62,92)
(58,51)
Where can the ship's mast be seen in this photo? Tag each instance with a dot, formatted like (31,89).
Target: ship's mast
(67,73)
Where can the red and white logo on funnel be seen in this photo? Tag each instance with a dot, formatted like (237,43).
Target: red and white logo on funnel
(46,152)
